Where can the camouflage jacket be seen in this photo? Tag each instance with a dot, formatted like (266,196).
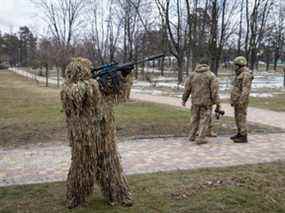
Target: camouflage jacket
(241,87)
(203,86)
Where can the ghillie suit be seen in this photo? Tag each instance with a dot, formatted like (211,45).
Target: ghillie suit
(91,132)
(130,81)
(125,93)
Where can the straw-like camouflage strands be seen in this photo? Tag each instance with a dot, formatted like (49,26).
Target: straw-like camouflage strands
(91,132)
(125,92)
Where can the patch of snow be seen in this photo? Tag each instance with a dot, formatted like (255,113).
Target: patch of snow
(163,78)
(261,95)
(142,83)
(171,85)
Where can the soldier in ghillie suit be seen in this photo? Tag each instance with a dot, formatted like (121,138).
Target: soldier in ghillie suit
(240,97)
(203,87)
(129,84)
(125,93)
(91,132)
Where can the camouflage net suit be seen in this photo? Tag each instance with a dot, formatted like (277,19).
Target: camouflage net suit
(125,93)
(91,132)
(240,97)
(203,87)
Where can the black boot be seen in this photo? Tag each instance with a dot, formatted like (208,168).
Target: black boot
(241,139)
(235,136)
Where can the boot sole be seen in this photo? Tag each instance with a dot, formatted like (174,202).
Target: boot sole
(237,141)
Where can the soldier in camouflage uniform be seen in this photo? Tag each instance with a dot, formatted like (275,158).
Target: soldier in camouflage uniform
(91,132)
(211,133)
(240,98)
(203,87)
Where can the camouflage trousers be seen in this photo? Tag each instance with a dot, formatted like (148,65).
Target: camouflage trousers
(200,119)
(211,126)
(240,119)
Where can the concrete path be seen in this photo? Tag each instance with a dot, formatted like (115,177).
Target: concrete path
(37,164)
(47,163)
(35,77)
(267,117)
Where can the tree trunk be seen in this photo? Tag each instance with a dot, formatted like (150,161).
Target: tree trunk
(188,65)
(58,76)
(253,57)
(63,67)
(267,63)
(276,57)
(180,66)
(47,74)
(240,28)
(162,61)
(41,71)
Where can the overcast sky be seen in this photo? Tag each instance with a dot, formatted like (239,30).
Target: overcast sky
(16,13)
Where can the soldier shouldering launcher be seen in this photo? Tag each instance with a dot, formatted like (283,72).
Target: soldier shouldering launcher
(240,97)
(203,87)
(91,132)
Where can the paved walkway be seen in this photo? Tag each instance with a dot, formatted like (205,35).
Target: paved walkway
(38,164)
(47,163)
(35,77)
(267,117)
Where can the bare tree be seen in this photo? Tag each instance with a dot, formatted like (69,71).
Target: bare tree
(256,25)
(102,42)
(44,55)
(64,19)
(221,29)
(136,22)
(278,33)
(163,29)
(240,27)
(177,35)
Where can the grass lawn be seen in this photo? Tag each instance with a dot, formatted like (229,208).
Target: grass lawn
(32,114)
(246,189)
(276,103)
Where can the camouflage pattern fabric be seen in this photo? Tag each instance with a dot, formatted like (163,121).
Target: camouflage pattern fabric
(240,119)
(129,84)
(124,96)
(241,87)
(203,87)
(200,118)
(91,133)
(210,130)
(240,97)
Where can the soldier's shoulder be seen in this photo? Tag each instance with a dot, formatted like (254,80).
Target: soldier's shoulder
(191,75)
(210,74)
(247,73)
